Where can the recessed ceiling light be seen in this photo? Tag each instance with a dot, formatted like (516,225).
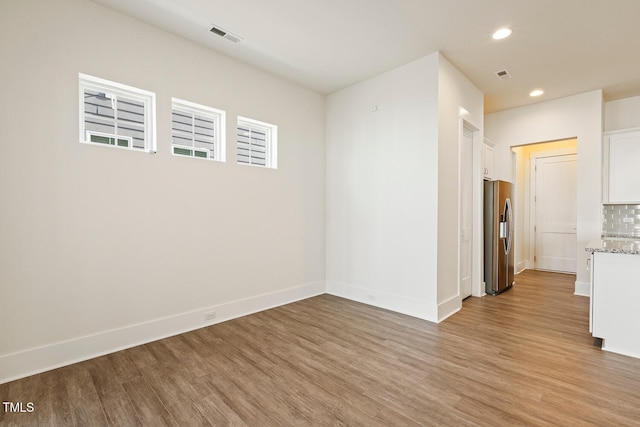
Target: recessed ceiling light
(536,92)
(502,33)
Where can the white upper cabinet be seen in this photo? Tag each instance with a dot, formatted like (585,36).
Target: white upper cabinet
(621,172)
(488,170)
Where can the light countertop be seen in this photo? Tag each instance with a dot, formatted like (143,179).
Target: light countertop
(616,245)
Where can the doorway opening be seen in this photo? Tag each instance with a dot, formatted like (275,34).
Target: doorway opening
(546,200)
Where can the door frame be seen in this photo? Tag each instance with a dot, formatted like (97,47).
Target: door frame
(477,288)
(530,199)
(462,163)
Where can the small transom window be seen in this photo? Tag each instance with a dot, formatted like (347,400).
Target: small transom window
(257,143)
(197,130)
(117,115)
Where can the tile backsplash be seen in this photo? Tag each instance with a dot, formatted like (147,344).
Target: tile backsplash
(621,220)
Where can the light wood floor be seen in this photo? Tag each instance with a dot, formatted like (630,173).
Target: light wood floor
(522,358)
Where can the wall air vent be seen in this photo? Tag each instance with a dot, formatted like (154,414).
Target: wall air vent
(225,34)
(503,75)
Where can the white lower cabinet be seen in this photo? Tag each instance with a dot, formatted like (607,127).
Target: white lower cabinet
(615,301)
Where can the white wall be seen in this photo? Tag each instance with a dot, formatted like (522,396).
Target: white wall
(622,114)
(104,248)
(575,116)
(382,189)
(455,91)
(392,150)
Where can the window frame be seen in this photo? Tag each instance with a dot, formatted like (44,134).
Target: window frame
(219,118)
(271,141)
(90,133)
(194,149)
(147,98)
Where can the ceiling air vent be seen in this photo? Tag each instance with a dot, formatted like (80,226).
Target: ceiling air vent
(503,75)
(225,34)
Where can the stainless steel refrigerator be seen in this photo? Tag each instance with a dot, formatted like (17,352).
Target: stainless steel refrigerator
(498,237)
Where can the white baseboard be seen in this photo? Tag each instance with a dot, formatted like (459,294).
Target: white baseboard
(449,307)
(582,289)
(624,349)
(521,266)
(22,364)
(411,307)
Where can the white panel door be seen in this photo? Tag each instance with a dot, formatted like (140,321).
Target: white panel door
(466,166)
(555,213)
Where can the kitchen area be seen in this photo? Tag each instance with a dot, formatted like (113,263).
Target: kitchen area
(607,256)
(615,257)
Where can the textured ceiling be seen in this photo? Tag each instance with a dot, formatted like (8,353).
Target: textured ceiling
(562,46)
